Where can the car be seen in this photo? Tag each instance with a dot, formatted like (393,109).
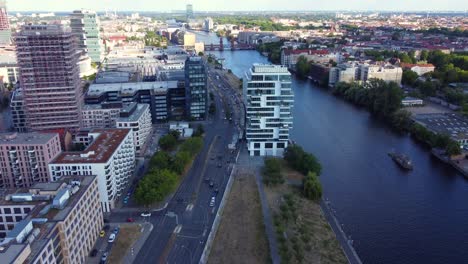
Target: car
(207,179)
(111,238)
(116,230)
(102,234)
(146,214)
(219,165)
(211,184)
(216,191)
(93,253)
(213,201)
(104,257)
(130,220)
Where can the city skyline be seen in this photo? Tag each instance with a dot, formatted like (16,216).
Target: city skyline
(241,5)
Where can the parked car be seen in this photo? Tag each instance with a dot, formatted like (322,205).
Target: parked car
(211,184)
(116,230)
(130,220)
(104,257)
(102,234)
(146,214)
(93,253)
(213,201)
(111,238)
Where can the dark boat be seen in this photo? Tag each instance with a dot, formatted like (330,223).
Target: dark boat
(402,160)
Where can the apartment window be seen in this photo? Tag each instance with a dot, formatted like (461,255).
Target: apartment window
(269,145)
(256,145)
(17,210)
(7,210)
(18,218)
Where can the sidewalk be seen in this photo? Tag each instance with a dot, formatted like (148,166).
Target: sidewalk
(133,251)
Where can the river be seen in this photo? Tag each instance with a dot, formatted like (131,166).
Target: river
(393,216)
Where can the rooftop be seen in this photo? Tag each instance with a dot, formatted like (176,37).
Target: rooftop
(32,138)
(269,68)
(132,112)
(129,88)
(99,151)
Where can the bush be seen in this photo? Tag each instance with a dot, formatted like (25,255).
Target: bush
(302,161)
(272,172)
(199,131)
(312,188)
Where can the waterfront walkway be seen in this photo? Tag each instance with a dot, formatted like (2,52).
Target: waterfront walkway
(346,244)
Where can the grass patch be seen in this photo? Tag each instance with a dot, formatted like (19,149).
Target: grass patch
(127,236)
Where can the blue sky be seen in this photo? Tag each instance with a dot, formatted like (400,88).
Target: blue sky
(237,5)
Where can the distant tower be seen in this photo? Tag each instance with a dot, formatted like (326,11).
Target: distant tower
(189,11)
(85,26)
(5,32)
(221,46)
(49,77)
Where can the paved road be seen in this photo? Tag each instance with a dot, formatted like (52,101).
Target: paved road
(181,229)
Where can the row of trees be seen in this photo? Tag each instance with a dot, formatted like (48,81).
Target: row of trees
(273,49)
(165,172)
(384,100)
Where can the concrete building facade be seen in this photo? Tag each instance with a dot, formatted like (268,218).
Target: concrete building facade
(5,31)
(362,72)
(136,117)
(49,77)
(24,158)
(110,156)
(51,223)
(268,99)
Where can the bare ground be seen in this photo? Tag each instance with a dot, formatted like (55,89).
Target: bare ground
(241,235)
(309,227)
(127,236)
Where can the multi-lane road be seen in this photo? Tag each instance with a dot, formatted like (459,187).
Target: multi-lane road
(181,229)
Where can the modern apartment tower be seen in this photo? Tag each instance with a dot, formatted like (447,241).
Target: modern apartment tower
(85,26)
(268,99)
(189,11)
(5,32)
(48,56)
(195,88)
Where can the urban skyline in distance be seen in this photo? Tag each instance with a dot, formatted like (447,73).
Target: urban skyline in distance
(241,5)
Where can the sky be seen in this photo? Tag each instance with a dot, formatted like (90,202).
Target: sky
(238,5)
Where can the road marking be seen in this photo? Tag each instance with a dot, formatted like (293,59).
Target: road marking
(189,207)
(177,229)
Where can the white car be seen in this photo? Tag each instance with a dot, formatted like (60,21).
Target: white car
(213,201)
(111,238)
(146,214)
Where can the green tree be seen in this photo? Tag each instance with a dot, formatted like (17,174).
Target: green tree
(200,54)
(424,55)
(302,161)
(199,131)
(453,148)
(167,142)
(401,120)
(155,186)
(181,159)
(302,67)
(409,77)
(160,160)
(312,188)
(192,145)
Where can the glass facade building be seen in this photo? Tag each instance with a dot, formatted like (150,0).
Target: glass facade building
(195,88)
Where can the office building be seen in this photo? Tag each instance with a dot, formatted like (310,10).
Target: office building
(269,99)
(110,155)
(102,115)
(136,117)
(49,77)
(85,26)
(5,31)
(24,158)
(165,98)
(195,88)
(189,11)
(50,222)
(208,24)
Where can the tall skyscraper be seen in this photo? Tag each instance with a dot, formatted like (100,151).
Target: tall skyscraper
(49,77)
(85,26)
(195,88)
(268,98)
(189,11)
(5,32)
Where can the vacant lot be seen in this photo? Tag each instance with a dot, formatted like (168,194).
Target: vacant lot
(241,234)
(304,235)
(128,234)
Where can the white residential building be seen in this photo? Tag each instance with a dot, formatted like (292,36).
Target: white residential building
(138,118)
(268,98)
(100,115)
(110,156)
(361,73)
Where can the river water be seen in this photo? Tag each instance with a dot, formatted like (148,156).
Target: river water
(393,216)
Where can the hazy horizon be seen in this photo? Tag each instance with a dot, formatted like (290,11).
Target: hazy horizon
(240,5)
